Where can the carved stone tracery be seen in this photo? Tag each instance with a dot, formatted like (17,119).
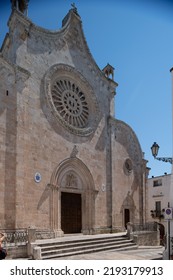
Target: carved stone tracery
(70,102)
(71,99)
(71,181)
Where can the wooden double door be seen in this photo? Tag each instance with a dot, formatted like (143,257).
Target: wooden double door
(71,212)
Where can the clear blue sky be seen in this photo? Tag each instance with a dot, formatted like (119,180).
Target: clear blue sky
(136,38)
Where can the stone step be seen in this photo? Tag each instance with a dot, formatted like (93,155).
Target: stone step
(88,242)
(76,247)
(81,239)
(57,254)
(53,249)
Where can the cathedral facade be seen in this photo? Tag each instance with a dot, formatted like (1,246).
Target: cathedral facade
(67,164)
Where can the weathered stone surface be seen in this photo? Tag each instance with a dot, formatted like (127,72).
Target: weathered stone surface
(72,139)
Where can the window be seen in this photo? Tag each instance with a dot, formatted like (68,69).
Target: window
(158,208)
(70,102)
(157,183)
(128,166)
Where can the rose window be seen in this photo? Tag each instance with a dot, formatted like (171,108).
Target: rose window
(70,102)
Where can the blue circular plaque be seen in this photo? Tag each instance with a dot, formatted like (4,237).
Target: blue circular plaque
(37,177)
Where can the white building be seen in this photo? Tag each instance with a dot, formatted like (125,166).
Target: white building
(158,198)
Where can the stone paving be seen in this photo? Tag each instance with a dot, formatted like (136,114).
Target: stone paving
(142,253)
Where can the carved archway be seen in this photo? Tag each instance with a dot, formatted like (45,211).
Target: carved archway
(73,176)
(128,210)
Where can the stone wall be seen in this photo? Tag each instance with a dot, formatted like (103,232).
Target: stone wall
(17,252)
(56,106)
(147,238)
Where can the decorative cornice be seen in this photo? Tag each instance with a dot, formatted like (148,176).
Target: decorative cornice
(20,16)
(71,33)
(31,27)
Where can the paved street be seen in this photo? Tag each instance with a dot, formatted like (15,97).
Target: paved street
(142,253)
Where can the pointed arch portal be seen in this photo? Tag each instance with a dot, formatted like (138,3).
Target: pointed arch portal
(72,198)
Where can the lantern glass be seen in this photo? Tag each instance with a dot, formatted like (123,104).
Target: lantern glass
(154,149)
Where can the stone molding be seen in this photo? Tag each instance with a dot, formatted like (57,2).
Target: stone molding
(71,34)
(83,184)
(72,164)
(66,72)
(124,134)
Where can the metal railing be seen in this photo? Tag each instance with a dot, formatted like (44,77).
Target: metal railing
(21,236)
(15,236)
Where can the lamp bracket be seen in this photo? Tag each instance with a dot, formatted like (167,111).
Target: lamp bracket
(165,159)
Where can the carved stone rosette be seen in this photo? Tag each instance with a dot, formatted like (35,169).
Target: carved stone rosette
(71,99)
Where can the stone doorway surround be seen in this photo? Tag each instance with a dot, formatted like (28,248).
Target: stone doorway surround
(128,210)
(72,176)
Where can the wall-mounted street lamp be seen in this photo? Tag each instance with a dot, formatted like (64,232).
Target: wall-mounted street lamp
(154,149)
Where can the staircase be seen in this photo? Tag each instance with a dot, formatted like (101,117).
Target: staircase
(75,245)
